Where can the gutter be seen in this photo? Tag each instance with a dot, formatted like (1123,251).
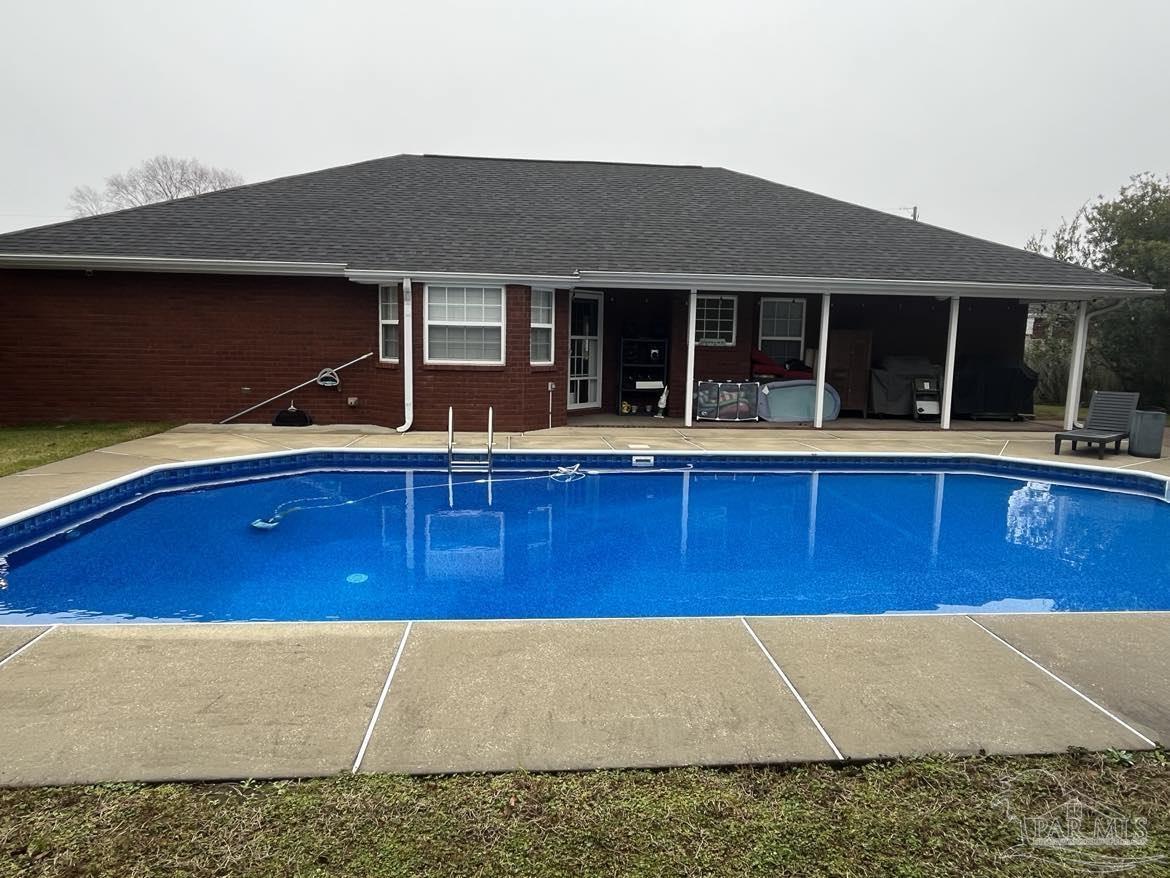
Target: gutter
(858,286)
(586,279)
(380,276)
(160,263)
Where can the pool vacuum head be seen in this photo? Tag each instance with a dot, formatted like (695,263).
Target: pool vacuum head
(266,523)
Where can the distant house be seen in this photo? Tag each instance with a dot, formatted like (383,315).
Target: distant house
(510,283)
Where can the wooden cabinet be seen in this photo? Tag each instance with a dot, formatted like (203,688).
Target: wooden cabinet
(847,367)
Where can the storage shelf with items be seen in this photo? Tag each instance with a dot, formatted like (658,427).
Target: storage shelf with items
(643,375)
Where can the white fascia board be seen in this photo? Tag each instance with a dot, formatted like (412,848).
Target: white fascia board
(165,264)
(856,286)
(588,279)
(380,276)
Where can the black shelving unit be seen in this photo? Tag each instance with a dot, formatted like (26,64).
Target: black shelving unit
(643,375)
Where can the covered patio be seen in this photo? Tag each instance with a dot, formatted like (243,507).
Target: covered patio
(905,355)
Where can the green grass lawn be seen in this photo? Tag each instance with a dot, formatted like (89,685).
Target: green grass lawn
(25,447)
(938,816)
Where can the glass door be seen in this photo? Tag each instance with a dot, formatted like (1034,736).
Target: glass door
(585,351)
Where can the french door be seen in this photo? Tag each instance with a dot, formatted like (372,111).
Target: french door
(585,312)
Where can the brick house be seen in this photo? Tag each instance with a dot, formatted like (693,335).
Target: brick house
(511,283)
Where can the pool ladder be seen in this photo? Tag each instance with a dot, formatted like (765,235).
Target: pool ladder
(469,460)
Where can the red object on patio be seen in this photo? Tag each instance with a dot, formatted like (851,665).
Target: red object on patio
(763,365)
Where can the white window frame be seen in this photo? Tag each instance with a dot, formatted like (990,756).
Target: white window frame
(382,324)
(716,343)
(427,323)
(551,326)
(803,323)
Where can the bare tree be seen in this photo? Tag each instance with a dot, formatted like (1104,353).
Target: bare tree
(161,178)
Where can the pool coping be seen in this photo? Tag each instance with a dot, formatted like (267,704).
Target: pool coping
(537,620)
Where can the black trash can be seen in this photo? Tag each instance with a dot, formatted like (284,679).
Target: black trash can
(1145,434)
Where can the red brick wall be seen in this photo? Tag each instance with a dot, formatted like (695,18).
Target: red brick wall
(183,347)
(517,391)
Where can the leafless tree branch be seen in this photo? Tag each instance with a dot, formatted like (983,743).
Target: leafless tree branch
(162,178)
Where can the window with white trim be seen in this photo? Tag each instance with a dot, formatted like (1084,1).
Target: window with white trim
(715,321)
(464,324)
(540,341)
(782,328)
(388,323)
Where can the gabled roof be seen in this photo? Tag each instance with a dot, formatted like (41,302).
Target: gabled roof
(424,213)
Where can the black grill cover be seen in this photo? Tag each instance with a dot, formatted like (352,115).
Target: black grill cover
(292,418)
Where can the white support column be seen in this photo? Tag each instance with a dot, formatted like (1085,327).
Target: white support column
(822,362)
(948,381)
(689,389)
(1076,367)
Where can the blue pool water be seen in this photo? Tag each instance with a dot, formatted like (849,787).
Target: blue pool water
(606,545)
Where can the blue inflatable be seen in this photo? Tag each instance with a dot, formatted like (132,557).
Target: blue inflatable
(793,401)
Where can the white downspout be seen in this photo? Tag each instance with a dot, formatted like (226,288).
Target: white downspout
(407,358)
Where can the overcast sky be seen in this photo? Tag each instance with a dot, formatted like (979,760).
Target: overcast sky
(995,118)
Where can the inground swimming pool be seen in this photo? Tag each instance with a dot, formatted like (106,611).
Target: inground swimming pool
(325,536)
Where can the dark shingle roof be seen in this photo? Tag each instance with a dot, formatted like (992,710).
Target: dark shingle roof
(451,214)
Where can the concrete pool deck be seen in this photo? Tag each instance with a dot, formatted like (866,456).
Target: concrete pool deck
(91,703)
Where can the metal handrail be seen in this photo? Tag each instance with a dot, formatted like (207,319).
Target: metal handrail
(491,438)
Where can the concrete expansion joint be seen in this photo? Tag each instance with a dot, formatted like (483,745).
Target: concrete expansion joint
(25,647)
(361,753)
(792,688)
(1064,683)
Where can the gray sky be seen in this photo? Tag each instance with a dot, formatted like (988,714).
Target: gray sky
(994,117)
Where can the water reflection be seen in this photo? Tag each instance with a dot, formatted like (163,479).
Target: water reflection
(465,544)
(1032,516)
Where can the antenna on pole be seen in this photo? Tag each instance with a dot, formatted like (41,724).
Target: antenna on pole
(913,212)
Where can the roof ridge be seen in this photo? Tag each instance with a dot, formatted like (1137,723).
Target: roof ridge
(493,158)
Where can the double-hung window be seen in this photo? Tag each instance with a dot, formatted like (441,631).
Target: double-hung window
(782,328)
(715,321)
(465,324)
(388,324)
(540,344)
